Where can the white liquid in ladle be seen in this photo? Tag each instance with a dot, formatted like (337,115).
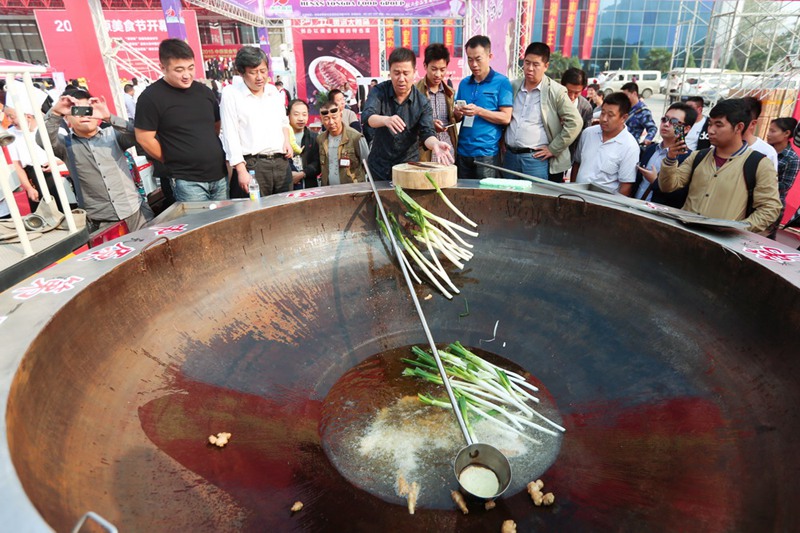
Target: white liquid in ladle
(479,481)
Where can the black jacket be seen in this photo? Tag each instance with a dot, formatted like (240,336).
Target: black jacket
(310,158)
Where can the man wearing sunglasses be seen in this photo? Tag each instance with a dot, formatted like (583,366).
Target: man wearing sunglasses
(675,124)
(341,149)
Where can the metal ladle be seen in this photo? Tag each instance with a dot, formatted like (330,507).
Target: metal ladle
(474,454)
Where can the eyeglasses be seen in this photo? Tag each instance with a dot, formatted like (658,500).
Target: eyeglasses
(674,121)
(332,111)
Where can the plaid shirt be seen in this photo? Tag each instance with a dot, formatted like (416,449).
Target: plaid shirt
(639,120)
(788,166)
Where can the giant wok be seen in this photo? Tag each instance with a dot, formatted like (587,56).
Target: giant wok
(670,351)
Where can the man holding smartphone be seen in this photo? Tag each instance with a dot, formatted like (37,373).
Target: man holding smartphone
(675,125)
(437,57)
(483,105)
(96,160)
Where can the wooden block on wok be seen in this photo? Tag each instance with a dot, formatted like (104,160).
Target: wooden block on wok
(411,176)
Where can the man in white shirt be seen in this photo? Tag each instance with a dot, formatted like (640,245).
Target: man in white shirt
(607,153)
(255,128)
(697,138)
(753,106)
(130,103)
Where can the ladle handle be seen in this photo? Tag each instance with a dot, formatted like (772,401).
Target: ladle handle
(414,298)
(105,524)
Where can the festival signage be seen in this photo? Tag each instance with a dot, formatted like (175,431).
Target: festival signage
(569,28)
(332,53)
(552,23)
(141,29)
(173,16)
(588,32)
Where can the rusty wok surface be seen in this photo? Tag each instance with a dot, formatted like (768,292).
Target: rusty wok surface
(671,355)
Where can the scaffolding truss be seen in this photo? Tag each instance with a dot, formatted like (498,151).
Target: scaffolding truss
(752,48)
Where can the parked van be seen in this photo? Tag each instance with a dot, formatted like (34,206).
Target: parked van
(649,81)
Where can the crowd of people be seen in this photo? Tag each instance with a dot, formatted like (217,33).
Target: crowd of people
(214,148)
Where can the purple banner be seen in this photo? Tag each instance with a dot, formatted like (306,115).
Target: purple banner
(281,9)
(500,28)
(263,42)
(176,26)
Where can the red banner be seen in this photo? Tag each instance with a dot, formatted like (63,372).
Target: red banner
(450,35)
(141,29)
(389,37)
(405,33)
(569,28)
(424,36)
(553,7)
(588,33)
(332,53)
(526,25)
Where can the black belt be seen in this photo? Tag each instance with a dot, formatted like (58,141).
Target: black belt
(265,156)
(514,150)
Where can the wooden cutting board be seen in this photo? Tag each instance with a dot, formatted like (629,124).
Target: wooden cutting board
(410,176)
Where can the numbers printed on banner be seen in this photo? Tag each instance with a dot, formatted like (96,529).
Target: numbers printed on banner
(63,25)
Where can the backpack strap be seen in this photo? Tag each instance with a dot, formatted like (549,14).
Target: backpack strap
(750,170)
(701,154)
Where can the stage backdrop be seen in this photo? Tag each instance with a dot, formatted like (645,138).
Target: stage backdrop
(142,29)
(500,27)
(332,53)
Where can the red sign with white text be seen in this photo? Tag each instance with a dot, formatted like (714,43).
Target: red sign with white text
(332,53)
(569,27)
(141,29)
(552,23)
(588,33)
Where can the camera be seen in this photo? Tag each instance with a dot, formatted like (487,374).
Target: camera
(82,111)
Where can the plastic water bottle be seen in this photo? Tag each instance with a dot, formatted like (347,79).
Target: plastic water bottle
(253,188)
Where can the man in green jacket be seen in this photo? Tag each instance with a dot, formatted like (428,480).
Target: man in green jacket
(433,85)
(341,149)
(544,121)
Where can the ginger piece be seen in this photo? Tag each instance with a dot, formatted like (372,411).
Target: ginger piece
(402,486)
(536,494)
(509,526)
(296,506)
(220,439)
(458,498)
(413,492)
(548,499)
(489,505)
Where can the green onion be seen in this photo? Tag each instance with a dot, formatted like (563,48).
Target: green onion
(482,389)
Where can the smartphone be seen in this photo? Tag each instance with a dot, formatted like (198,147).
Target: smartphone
(82,111)
(461,103)
(680,134)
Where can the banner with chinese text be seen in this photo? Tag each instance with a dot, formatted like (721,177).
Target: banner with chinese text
(569,28)
(332,53)
(588,33)
(141,29)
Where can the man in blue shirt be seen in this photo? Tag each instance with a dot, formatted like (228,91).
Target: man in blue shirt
(487,100)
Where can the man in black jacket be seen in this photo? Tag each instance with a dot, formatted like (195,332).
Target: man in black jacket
(304,166)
